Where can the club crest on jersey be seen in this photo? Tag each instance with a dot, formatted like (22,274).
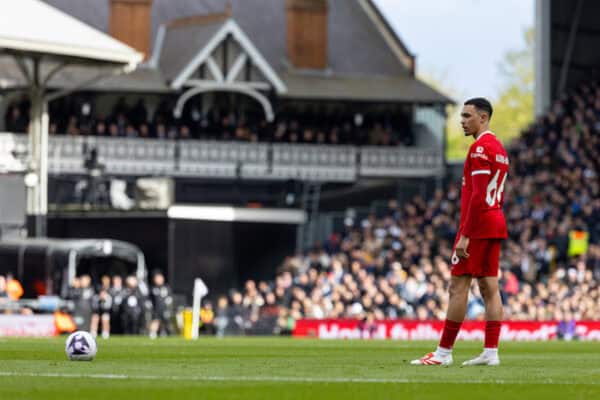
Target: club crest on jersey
(479,149)
(455,260)
(479,155)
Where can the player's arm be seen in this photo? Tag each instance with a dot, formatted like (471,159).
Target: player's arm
(479,181)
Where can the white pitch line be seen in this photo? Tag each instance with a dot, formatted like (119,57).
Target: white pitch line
(290,379)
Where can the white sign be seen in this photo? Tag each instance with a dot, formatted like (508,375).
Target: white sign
(27,325)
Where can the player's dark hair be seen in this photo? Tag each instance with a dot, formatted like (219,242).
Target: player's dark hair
(481,104)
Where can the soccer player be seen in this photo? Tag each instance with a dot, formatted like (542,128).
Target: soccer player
(162,304)
(477,246)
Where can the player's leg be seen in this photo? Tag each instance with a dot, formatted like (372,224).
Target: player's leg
(136,323)
(493,311)
(458,297)
(490,291)
(94,325)
(165,324)
(125,323)
(457,308)
(154,326)
(105,325)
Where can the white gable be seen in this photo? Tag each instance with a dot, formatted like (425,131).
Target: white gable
(249,53)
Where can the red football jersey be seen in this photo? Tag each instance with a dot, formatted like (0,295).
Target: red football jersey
(482,195)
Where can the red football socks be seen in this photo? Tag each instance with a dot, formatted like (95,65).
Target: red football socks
(492,334)
(450,332)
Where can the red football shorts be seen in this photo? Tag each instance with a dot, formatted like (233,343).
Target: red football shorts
(484,257)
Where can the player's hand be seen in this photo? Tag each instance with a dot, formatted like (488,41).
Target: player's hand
(461,247)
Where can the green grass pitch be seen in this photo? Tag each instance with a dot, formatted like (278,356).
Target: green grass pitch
(285,368)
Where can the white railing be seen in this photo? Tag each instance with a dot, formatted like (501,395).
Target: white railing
(213,159)
(314,162)
(400,162)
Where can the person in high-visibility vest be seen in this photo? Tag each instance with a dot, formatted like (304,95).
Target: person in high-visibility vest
(64,322)
(207,318)
(578,243)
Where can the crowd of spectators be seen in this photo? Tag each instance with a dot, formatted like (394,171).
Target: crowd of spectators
(77,116)
(395,264)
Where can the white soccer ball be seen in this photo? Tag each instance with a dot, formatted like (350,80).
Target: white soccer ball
(81,346)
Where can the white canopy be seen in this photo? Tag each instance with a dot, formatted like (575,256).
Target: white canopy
(42,47)
(34,26)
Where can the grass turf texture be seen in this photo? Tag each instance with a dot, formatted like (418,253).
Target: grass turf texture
(284,368)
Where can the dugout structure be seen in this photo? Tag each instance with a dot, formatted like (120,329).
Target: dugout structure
(223,246)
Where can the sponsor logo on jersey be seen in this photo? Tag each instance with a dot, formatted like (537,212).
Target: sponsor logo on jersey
(479,155)
(479,149)
(501,159)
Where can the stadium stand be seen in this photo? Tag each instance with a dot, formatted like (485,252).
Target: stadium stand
(391,264)
(238,103)
(395,264)
(73,117)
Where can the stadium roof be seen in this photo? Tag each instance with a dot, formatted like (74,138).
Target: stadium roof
(361,44)
(39,47)
(32,28)
(567,34)
(401,88)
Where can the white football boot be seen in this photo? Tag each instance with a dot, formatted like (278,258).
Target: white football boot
(484,358)
(433,359)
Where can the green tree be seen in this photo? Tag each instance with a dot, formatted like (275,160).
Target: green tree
(457,146)
(514,108)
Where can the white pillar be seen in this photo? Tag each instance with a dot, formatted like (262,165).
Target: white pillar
(44,127)
(542,56)
(37,196)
